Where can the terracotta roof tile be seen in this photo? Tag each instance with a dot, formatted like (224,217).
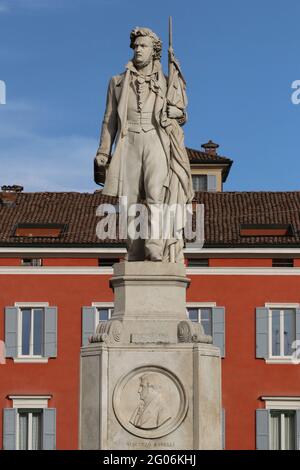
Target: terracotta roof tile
(224,214)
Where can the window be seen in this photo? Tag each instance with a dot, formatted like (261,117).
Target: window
(32,326)
(91,316)
(30,429)
(277,329)
(102,262)
(199,182)
(39,230)
(283,263)
(103,314)
(282,430)
(29,424)
(203,316)
(278,424)
(266,230)
(31,262)
(212,319)
(198,262)
(204,182)
(31,332)
(282,325)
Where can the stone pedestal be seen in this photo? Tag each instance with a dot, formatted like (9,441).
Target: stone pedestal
(150,378)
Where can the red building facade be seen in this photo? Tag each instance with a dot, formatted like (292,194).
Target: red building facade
(54,287)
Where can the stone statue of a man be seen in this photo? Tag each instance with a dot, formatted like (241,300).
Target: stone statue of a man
(142,120)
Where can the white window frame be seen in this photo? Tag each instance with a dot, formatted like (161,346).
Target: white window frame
(98,305)
(31,357)
(38,402)
(282,359)
(281,404)
(199,306)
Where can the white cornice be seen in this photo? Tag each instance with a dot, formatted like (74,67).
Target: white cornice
(244,271)
(189,250)
(94,270)
(243,251)
(57,270)
(281,403)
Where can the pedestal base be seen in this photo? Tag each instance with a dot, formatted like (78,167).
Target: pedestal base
(185,410)
(150,381)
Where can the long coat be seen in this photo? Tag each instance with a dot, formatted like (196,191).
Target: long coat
(114,127)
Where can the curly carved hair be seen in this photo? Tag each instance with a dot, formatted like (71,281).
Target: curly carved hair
(157,44)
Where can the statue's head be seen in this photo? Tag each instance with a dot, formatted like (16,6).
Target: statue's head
(146,45)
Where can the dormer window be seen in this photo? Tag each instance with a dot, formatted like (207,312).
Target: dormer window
(266,230)
(39,230)
(204,182)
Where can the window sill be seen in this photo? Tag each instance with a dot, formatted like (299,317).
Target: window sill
(34,360)
(282,360)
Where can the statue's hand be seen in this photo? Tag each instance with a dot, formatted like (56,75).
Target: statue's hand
(101,159)
(174,112)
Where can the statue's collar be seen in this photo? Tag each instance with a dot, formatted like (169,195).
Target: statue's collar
(156,68)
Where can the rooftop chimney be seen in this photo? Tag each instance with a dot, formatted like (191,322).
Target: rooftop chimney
(9,194)
(210,147)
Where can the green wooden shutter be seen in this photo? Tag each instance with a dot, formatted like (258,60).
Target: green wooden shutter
(11,331)
(50,332)
(49,429)
(218,324)
(9,428)
(262,429)
(262,333)
(88,324)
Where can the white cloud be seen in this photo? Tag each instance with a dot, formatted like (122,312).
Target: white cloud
(45,164)
(39,162)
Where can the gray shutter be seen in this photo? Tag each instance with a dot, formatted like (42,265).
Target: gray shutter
(262,333)
(49,429)
(11,331)
(50,332)
(297,326)
(218,324)
(262,429)
(211,183)
(9,428)
(223,428)
(298,430)
(88,324)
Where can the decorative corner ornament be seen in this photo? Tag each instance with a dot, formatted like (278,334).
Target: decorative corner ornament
(108,332)
(189,332)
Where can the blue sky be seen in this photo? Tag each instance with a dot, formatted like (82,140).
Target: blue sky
(239,59)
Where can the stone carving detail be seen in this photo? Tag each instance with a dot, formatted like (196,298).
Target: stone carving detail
(150,402)
(152,409)
(108,332)
(191,332)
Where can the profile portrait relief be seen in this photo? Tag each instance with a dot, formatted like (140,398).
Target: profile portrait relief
(149,402)
(152,409)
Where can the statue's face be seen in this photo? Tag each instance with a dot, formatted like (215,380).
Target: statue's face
(143,50)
